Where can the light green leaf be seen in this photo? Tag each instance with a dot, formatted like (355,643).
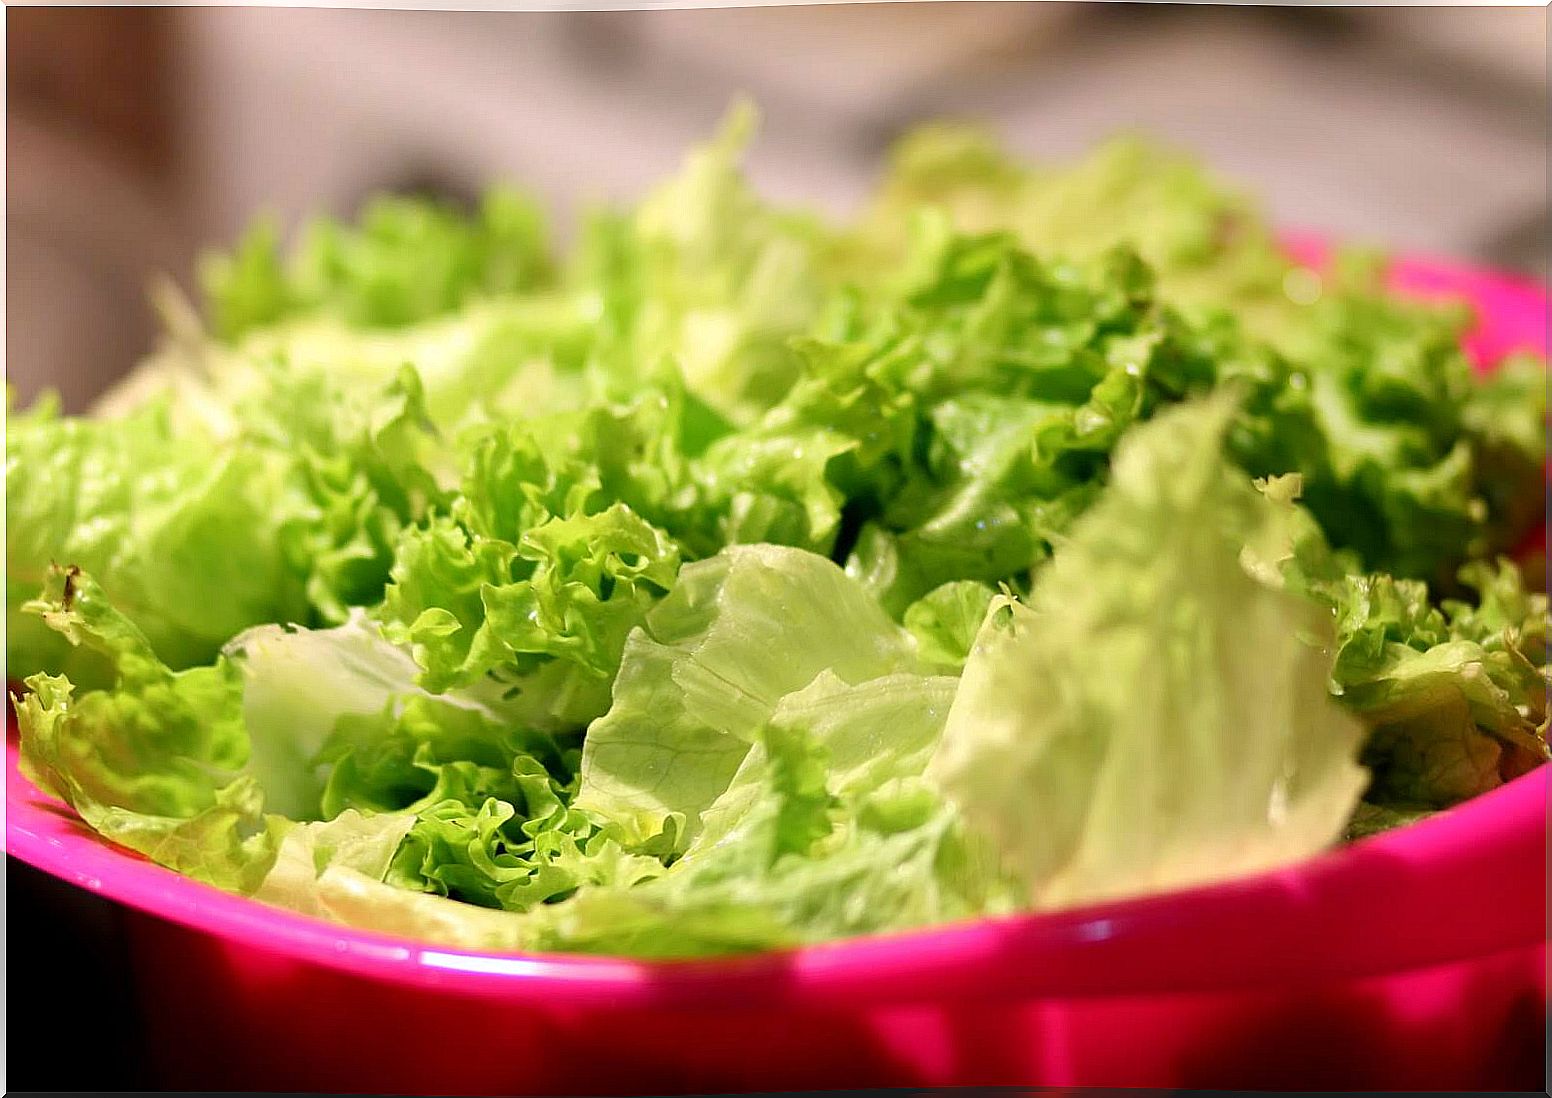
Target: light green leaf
(154,761)
(1167,712)
(709,667)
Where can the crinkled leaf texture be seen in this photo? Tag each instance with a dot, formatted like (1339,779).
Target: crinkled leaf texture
(1456,698)
(619,604)
(186,532)
(288,511)
(1156,717)
(155,761)
(544,562)
(1407,457)
(814,821)
(215,770)
(1453,693)
(739,632)
(409,259)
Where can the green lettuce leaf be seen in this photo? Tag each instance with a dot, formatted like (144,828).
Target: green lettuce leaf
(1412,471)
(340,730)
(707,274)
(290,513)
(153,763)
(184,531)
(1456,698)
(825,830)
(946,620)
(336,870)
(539,570)
(491,361)
(208,770)
(904,865)
(1453,693)
(407,259)
(1208,242)
(335,721)
(364,844)
(1168,711)
(705,672)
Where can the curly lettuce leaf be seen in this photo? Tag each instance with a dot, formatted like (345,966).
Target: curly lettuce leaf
(294,736)
(1407,459)
(336,870)
(359,476)
(539,570)
(155,761)
(1167,710)
(185,531)
(506,358)
(1452,692)
(290,513)
(950,427)
(1420,465)
(903,866)
(1208,242)
(825,830)
(706,671)
(336,721)
(340,730)
(405,260)
(1455,697)
(708,275)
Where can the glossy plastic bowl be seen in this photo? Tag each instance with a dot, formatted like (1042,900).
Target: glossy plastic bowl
(1412,960)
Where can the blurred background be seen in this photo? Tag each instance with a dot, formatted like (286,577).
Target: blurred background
(136,135)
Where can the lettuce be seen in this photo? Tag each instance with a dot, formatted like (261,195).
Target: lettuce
(289,513)
(539,569)
(407,260)
(155,762)
(141,507)
(708,669)
(1455,696)
(209,769)
(741,580)
(708,275)
(1453,692)
(1407,459)
(811,820)
(1167,710)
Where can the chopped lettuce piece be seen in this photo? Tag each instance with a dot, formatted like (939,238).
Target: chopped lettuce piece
(153,762)
(1455,697)
(289,514)
(824,830)
(1166,710)
(185,533)
(713,660)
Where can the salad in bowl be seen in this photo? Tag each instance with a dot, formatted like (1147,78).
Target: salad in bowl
(732,579)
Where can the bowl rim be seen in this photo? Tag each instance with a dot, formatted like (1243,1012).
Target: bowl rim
(1458,885)
(1332,916)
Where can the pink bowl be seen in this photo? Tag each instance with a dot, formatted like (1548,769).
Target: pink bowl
(1412,960)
